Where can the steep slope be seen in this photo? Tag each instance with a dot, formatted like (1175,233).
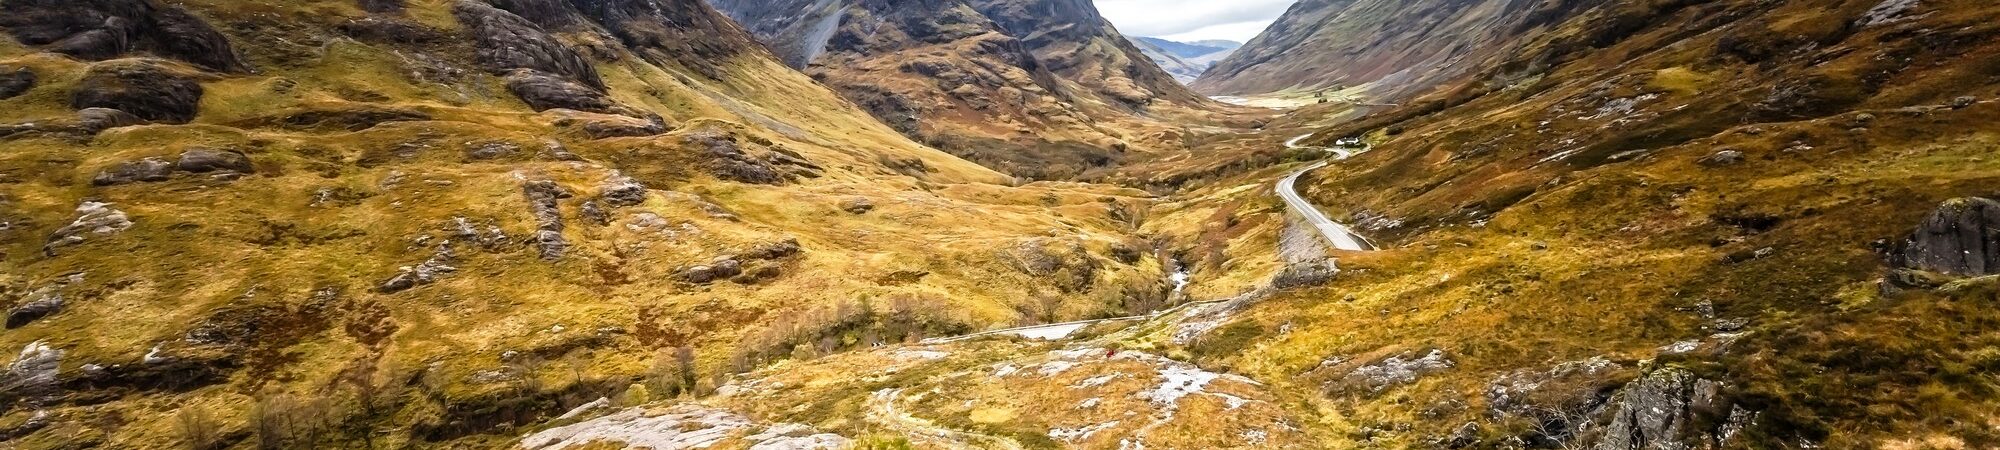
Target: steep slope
(1672,224)
(1182,71)
(1385,50)
(329,223)
(1184,60)
(1037,88)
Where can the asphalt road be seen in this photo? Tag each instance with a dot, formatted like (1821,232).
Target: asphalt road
(1339,235)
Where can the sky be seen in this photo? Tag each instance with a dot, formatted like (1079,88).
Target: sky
(1193,20)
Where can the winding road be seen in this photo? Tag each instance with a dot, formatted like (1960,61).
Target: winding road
(1339,235)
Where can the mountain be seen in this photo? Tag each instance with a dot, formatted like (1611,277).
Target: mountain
(1191,49)
(331,223)
(1186,61)
(1391,49)
(1038,88)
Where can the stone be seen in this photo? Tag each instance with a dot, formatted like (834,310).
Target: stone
(1964,102)
(1668,409)
(427,272)
(621,190)
(1724,157)
(95,120)
(92,219)
(774,250)
(36,372)
(1464,437)
(16,82)
(1961,237)
(542,197)
(43,306)
(201,160)
(146,88)
(142,170)
(857,205)
(605,126)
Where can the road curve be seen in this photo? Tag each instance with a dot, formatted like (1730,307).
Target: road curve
(1339,235)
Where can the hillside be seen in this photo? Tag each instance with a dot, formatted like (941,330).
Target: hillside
(1186,61)
(1381,51)
(1042,89)
(324,224)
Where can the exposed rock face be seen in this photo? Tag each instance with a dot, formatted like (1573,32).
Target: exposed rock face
(42,302)
(32,374)
(754,265)
(98,30)
(506,42)
(427,272)
(203,160)
(15,81)
(149,89)
(92,219)
(1312,273)
(94,120)
(684,426)
(1961,237)
(1403,47)
(603,126)
(1391,371)
(142,170)
(542,197)
(621,190)
(723,156)
(1064,263)
(1666,410)
(1017,85)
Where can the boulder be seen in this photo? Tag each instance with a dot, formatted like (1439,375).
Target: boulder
(1961,237)
(1964,102)
(93,218)
(857,205)
(203,160)
(1724,157)
(1312,273)
(142,170)
(15,82)
(42,306)
(35,373)
(621,190)
(149,89)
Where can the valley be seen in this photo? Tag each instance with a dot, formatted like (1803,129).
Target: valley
(946,224)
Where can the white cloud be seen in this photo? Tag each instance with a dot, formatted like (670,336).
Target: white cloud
(1237,20)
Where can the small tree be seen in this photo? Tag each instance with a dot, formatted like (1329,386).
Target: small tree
(198,428)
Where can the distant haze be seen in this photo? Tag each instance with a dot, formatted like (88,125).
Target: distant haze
(1193,20)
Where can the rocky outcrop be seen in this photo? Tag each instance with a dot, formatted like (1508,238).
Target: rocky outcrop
(1392,371)
(1961,237)
(1671,409)
(16,81)
(1064,263)
(92,219)
(542,197)
(754,265)
(1305,274)
(506,42)
(34,374)
(604,126)
(149,89)
(430,271)
(723,156)
(683,426)
(42,302)
(193,161)
(98,30)
(621,190)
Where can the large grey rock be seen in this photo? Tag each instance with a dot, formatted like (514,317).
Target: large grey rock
(94,120)
(41,306)
(1312,273)
(427,272)
(149,89)
(203,160)
(545,91)
(621,190)
(1960,237)
(34,373)
(141,170)
(1392,371)
(92,219)
(15,82)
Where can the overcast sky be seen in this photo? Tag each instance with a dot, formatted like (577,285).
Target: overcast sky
(1193,20)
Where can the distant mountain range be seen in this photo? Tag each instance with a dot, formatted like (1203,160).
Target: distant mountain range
(1185,60)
